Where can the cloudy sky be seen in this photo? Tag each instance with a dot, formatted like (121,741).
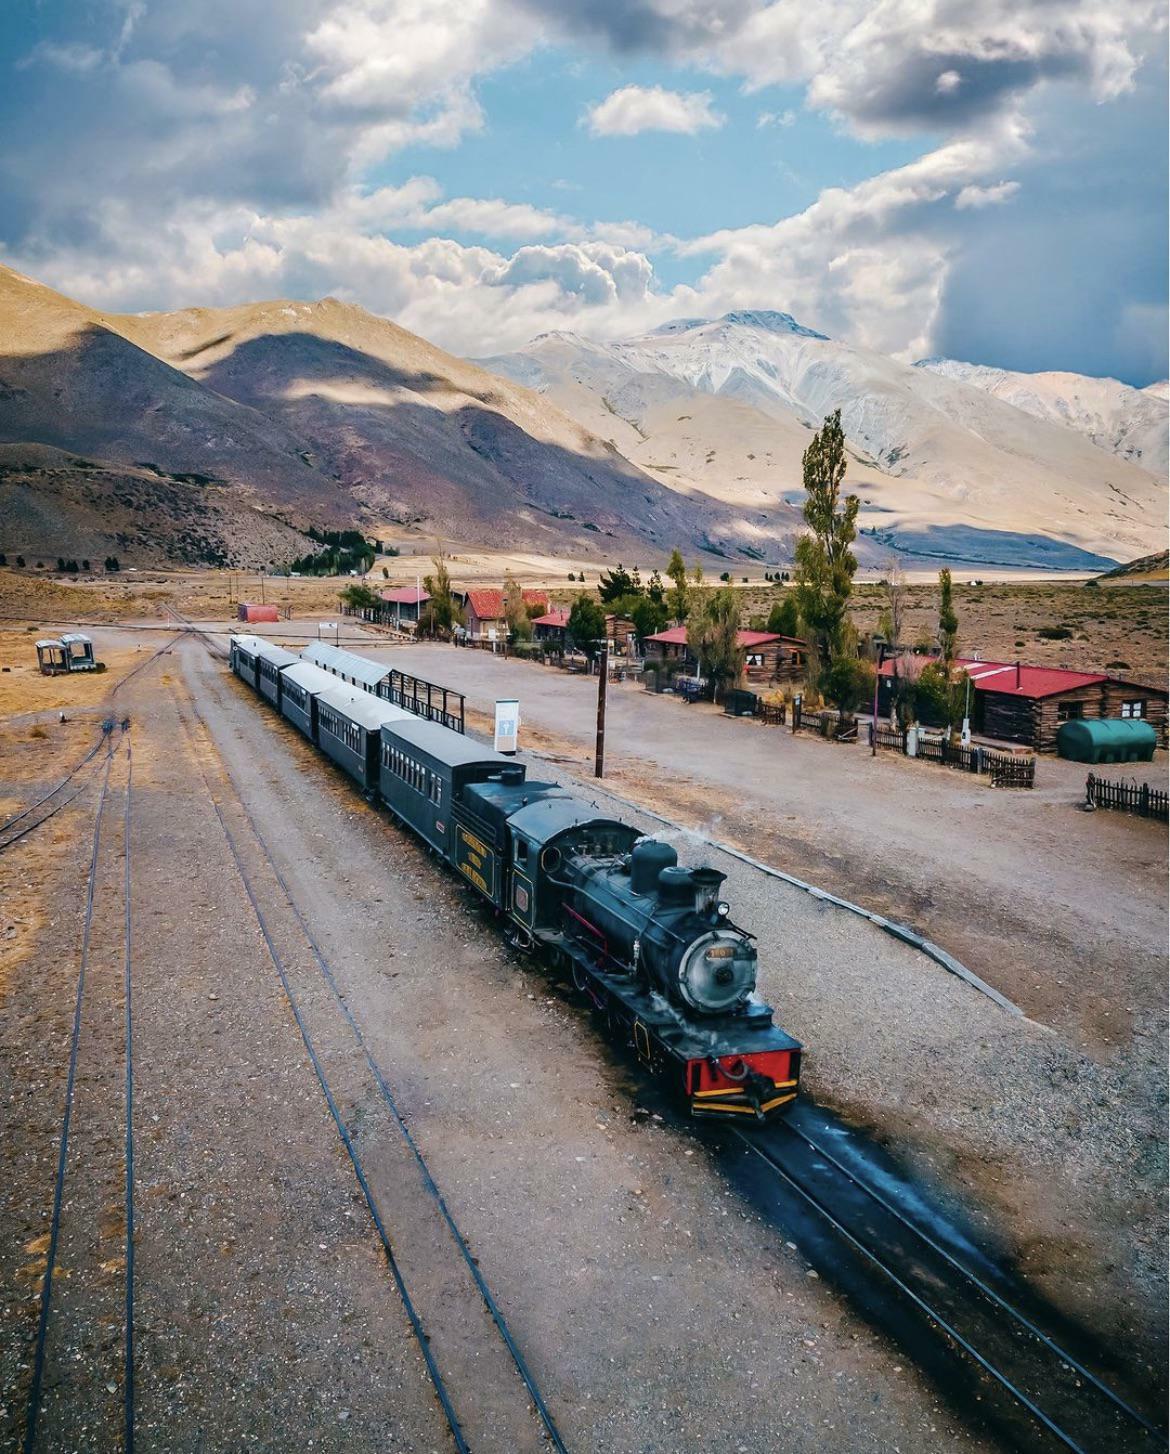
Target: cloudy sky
(981,178)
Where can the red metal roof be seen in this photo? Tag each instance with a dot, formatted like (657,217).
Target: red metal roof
(558,616)
(1011,678)
(488,604)
(406,596)
(677,636)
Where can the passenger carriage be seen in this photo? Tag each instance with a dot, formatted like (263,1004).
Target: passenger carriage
(244,658)
(424,770)
(301,685)
(349,730)
(271,661)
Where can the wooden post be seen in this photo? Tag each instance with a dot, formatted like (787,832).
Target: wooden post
(602,687)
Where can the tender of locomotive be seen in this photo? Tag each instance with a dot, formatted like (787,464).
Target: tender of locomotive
(650,943)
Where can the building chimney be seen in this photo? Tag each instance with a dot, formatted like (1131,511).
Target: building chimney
(1017,675)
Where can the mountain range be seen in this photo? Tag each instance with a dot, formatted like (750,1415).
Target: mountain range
(220,435)
(949,460)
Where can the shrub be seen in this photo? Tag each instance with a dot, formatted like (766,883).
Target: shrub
(1054,633)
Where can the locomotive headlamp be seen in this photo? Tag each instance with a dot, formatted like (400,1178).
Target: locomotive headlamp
(723,908)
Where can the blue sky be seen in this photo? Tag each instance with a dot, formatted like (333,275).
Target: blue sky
(922,176)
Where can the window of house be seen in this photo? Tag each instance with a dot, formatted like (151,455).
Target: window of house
(755,658)
(1133,709)
(1069,711)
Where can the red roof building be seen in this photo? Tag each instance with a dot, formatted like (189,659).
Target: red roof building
(1013,702)
(768,657)
(484,608)
(406,595)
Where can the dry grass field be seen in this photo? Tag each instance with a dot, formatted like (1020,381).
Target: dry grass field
(1120,628)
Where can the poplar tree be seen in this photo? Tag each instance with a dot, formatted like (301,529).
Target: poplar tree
(825,565)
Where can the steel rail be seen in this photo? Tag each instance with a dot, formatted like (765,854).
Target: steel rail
(412,1313)
(107,727)
(1066,1438)
(974,1279)
(32,827)
(493,1308)
(387,1094)
(127,991)
(33,1406)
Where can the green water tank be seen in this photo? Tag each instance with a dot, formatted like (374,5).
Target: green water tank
(1111,739)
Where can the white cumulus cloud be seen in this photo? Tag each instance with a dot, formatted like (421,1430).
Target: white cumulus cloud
(634,109)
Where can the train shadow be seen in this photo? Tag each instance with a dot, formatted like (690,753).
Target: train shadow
(967,1390)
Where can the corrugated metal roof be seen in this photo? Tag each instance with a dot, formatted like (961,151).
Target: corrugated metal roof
(311,677)
(453,748)
(557,617)
(549,816)
(345,663)
(71,636)
(406,595)
(1008,678)
(359,706)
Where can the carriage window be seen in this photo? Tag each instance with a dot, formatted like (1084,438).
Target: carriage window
(1133,709)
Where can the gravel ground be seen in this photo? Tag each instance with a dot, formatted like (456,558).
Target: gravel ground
(656,1309)
(1052,1128)
(602,1237)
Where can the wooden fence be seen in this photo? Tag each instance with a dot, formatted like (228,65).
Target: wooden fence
(1139,798)
(1007,770)
(772,715)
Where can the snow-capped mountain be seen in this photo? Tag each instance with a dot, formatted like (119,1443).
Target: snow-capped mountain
(1125,421)
(943,467)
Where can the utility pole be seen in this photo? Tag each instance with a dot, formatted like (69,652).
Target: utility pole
(602,685)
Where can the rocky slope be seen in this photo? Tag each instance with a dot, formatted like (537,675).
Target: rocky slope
(1128,422)
(942,467)
(325,414)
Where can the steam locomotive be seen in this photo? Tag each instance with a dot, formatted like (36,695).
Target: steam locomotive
(650,944)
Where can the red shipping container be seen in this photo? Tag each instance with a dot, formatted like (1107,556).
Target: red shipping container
(248,611)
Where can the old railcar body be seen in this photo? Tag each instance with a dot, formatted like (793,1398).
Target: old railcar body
(301,686)
(651,944)
(349,731)
(271,661)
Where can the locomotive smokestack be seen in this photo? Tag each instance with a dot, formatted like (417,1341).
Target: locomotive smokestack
(706,882)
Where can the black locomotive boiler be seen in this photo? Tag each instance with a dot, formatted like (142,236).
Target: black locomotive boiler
(650,943)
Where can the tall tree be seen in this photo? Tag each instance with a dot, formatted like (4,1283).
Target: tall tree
(516,610)
(948,620)
(441,614)
(783,618)
(892,624)
(586,625)
(678,601)
(711,635)
(616,583)
(655,589)
(825,565)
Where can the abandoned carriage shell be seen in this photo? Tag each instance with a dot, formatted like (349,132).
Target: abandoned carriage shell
(1108,739)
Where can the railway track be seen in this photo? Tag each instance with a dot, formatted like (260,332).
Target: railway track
(1038,1392)
(281,922)
(1035,1392)
(76,1313)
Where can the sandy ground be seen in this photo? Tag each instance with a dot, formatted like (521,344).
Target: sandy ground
(656,1311)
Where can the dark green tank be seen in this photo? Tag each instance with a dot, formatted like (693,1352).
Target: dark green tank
(1110,739)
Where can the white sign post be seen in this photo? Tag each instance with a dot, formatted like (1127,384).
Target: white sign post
(507,725)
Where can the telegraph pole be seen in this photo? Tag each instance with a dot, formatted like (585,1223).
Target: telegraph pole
(602,684)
